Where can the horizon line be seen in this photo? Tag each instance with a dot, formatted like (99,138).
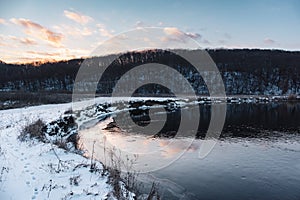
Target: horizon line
(51,60)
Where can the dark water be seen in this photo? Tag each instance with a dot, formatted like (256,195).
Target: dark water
(244,119)
(257,156)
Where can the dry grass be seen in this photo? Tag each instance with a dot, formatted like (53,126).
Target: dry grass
(3,168)
(128,178)
(61,144)
(33,130)
(36,130)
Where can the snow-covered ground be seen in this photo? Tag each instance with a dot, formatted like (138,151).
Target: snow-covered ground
(34,170)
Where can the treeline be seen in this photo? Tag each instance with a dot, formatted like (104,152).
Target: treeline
(245,71)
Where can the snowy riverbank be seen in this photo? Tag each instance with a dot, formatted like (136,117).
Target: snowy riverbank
(35,170)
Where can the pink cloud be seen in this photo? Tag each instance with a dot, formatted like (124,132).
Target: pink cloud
(36,30)
(43,53)
(2,21)
(174,34)
(74,31)
(28,41)
(77,17)
(25,41)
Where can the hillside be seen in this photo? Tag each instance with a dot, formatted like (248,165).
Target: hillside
(244,72)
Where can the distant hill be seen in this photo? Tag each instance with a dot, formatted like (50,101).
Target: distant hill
(244,71)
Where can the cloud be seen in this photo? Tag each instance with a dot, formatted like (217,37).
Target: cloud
(26,23)
(194,35)
(77,52)
(29,56)
(74,31)
(77,17)
(43,53)
(25,41)
(160,23)
(174,34)
(28,41)
(38,31)
(86,31)
(35,60)
(173,31)
(103,31)
(2,43)
(269,41)
(139,24)
(2,21)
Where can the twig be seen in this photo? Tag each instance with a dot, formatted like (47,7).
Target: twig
(92,168)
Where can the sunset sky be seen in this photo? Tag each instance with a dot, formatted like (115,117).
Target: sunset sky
(32,30)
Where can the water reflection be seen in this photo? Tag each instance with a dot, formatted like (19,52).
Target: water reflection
(242,120)
(256,158)
(143,150)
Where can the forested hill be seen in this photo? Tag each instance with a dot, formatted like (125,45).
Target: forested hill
(245,71)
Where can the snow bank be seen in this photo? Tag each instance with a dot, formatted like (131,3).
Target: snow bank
(36,170)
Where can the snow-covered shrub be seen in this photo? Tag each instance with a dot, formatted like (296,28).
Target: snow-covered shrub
(62,132)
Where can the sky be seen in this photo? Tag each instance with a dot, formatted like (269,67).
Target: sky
(33,30)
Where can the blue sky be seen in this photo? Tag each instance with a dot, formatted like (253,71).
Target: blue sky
(35,30)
